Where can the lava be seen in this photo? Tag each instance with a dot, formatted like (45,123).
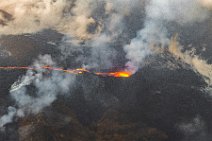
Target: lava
(123,74)
(117,74)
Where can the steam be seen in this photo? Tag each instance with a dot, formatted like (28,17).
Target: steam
(180,11)
(46,90)
(79,19)
(71,17)
(154,33)
(113,24)
(8,117)
(100,56)
(140,47)
(65,16)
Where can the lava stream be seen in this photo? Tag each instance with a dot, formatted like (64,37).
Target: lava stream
(117,74)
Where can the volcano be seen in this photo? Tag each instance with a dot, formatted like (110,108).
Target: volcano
(74,70)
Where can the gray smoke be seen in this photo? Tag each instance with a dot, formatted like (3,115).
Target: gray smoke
(7,118)
(154,33)
(112,19)
(66,16)
(47,88)
(80,20)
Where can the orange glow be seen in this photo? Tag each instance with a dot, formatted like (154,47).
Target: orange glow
(118,74)
(121,74)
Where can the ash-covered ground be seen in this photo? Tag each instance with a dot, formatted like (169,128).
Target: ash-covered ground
(166,45)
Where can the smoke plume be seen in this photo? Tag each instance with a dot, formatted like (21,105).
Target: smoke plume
(66,16)
(79,19)
(154,33)
(113,23)
(46,89)
(7,118)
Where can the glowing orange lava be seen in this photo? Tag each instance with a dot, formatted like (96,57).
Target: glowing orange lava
(118,74)
(121,74)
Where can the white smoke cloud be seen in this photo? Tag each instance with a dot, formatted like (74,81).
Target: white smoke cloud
(180,11)
(154,33)
(8,117)
(140,47)
(123,7)
(66,16)
(101,53)
(74,18)
(47,88)
(101,46)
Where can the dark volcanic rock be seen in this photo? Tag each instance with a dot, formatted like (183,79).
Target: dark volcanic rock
(112,128)
(58,124)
